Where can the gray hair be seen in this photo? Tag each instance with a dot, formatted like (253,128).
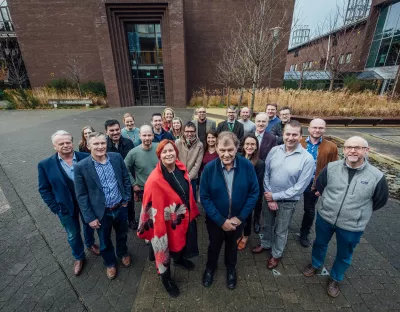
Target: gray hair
(226,136)
(356,137)
(60,133)
(262,114)
(231,108)
(96,135)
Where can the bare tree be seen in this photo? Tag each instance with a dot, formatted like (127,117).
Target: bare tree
(14,70)
(76,71)
(258,34)
(335,43)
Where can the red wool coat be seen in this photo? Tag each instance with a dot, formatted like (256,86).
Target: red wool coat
(164,219)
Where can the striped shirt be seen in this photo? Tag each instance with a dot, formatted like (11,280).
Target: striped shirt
(108,182)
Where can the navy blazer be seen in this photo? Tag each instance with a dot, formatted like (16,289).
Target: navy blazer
(88,189)
(53,185)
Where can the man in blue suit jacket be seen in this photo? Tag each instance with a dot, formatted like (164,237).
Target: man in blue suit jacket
(228,192)
(103,190)
(56,186)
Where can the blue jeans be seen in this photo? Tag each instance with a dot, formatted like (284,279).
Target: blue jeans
(346,242)
(73,228)
(117,219)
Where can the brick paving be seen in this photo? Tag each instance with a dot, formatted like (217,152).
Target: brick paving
(36,262)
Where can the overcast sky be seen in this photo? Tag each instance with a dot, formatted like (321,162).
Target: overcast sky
(315,12)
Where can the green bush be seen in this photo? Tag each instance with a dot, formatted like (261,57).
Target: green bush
(21,98)
(355,85)
(95,88)
(61,85)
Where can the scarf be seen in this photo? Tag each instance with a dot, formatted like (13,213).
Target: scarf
(191,142)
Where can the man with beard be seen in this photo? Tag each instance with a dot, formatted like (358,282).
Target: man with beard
(56,186)
(277,130)
(116,143)
(103,191)
(323,152)
(288,171)
(158,132)
(231,124)
(350,190)
(141,161)
(203,125)
(190,153)
(228,192)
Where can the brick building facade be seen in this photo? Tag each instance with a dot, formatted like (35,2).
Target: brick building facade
(371,51)
(146,52)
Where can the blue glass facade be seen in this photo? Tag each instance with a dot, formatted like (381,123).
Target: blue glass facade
(385,47)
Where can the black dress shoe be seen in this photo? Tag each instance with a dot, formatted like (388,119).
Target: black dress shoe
(185,263)
(169,284)
(231,278)
(208,277)
(256,225)
(304,241)
(133,225)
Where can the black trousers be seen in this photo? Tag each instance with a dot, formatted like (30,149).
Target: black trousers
(247,227)
(217,236)
(131,210)
(310,200)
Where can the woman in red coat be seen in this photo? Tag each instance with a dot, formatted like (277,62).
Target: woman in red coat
(168,215)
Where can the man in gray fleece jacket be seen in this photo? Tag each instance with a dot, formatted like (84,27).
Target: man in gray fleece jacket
(350,190)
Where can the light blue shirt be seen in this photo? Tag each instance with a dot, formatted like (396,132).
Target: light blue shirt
(69,170)
(259,137)
(108,182)
(228,175)
(287,174)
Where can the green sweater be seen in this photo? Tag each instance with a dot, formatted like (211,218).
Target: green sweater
(140,164)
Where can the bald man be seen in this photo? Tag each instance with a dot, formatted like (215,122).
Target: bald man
(323,152)
(350,190)
(248,125)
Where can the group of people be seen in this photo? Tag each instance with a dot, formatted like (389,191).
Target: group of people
(245,175)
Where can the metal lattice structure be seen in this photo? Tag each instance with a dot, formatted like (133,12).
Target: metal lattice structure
(357,9)
(300,35)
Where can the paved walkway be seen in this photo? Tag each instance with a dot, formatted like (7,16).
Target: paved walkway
(36,262)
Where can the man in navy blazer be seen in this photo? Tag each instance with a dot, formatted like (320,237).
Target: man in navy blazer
(56,186)
(103,190)
(228,192)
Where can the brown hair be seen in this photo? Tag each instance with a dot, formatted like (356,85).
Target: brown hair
(126,115)
(294,124)
(272,104)
(83,142)
(254,158)
(228,136)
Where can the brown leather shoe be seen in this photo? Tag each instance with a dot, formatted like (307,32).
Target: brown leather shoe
(111,272)
(333,288)
(78,266)
(126,261)
(273,263)
(94,249)
(309,270)
(259,249)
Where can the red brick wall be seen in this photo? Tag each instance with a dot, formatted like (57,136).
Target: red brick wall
(47,33)
(355,44)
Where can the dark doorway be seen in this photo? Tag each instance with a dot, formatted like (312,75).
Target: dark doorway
(145,56)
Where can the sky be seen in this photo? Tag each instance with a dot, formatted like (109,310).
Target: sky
(315,12)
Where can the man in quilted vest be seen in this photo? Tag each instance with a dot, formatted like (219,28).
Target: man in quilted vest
(350,190)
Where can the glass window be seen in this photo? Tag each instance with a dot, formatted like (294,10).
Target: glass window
(332,60)
(372,53)
(381,21)
(391,20)
(341,59)
(310,64)
(348,58)
(393,57)
(383,52)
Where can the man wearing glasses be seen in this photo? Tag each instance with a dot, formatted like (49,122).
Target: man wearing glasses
(190,153)
(203,125)
(350,190)
(277,130)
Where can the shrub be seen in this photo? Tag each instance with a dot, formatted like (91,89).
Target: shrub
(21,98)
(354,85)
(95,88)
(61,85)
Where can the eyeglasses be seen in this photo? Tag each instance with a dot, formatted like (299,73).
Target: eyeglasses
(188,132)
(356,148)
